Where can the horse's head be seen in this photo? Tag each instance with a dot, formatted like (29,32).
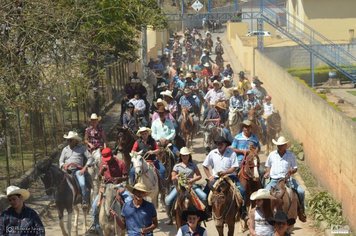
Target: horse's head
(138,162)
(274,122)
(220,193)
(125,139)
(51,178)
(250,165)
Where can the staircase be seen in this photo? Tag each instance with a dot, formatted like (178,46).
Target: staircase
(311,40)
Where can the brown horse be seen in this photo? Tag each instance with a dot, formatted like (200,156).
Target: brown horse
(226,204)
(286,199)
(249,178)
(187,127)
(125,140)
(256,127)
(273,125)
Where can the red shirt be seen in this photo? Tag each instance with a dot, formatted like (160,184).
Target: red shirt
(115,168)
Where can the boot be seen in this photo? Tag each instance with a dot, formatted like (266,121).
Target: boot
(243,212)
(301,214)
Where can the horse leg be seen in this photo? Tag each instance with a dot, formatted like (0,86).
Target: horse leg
(231,228)
(61,222)
(76,216)
(85,212)
(220,230)
(69,223)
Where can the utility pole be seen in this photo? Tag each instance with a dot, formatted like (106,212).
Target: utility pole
(182,9)
(144,52)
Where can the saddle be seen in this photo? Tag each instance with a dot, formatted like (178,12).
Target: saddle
(74,186)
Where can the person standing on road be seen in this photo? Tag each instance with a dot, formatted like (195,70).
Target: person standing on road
(76,159)
(281,164)
(19,219)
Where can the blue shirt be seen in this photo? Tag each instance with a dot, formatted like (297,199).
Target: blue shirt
(243,143)
(138,218)
(186,101)
(27,223)
(237,102)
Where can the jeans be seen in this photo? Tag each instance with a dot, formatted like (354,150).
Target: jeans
(83,188)
(173,195)
(293,184)
(159,166)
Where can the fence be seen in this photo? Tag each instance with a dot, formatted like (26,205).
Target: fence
(30,136)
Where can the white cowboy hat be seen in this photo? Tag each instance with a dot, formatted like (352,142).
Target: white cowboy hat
(72,135)
(160,100)
(261,194)
(143,129)
(139,187)
(280,141)
(184,151)
(235,88)
(12,190)
(167,93)
(206,64)
(188,75)
(216,82)
(246,122)
(94,116)
(187,90)
(226,79)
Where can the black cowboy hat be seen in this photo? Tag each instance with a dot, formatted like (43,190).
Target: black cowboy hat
(281,217)
(221,139)
(192,210)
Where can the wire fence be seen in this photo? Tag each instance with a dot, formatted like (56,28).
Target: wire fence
(31,136)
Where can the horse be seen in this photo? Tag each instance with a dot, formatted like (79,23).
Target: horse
(66,194)
(145,173)
(125,141)
(187,127)
(206,24)
(273,128)
(249,177)
(210,133)
(94,171)
(219,60)
(208,43)
(226,205)
(256,127)
(235,118)
(110,201)
(286,200)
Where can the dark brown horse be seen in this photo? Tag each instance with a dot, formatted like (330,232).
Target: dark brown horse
(125,141)
(187,127)
(273,128)
(256,127)
(249,177)
(226,204)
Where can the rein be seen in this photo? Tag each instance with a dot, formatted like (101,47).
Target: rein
(223,215)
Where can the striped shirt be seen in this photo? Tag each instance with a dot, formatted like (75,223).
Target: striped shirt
(280,165)
(236,102)
(243,143)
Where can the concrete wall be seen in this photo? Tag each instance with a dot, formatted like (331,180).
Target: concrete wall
(328,136)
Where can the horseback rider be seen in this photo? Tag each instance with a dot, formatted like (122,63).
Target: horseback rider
(222,161)
(212,96)
(128,119)
(252,103)
(76,159)
(227,87)
(186,169)
(205,58)
(163,130)
(111,171)
(243,84)
(162,106)
(140,109)
(95,137)
(228,71)
(236,101)
(188,102)
(280,164)
(171,103)
(258,90)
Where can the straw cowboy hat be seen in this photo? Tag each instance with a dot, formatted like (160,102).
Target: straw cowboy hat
(206,64)
(94,116)
(160,100)
(261,194)
(106,154)
(281,217)
(217,82)
(226,79)
(188,75)
(167,93)
(184,151)
(280,141)
(72,135)
(221,105)
(246,123)
(235,89)
(143,129)
(13,190)
(139,187)
(187,90)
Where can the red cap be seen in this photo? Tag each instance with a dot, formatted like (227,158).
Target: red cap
(106,154)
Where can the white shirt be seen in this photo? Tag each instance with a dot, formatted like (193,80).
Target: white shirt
(268,109)
(262,227)
(280,165)
(213,96)
(220,162)
(139,104)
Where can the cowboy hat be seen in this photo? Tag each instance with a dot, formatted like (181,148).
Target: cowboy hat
(217,82)
(246,123)
(226,79)
(280,141)
(261,194)
(160,100)
(94,116)
(187,90)
(72,135)
(221,139)
(184,151)
(188,75)
(167,93)
(192,210)
(235,89)
(256,80)
(106,154)
(143,129)
(281,217)
(249,92)
(139,187)
(221,105)
(13,190)
(206,64)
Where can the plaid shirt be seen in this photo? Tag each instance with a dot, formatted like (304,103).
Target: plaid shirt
(95,137)
(27,223)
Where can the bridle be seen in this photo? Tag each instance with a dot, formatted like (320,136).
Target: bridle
(226,209)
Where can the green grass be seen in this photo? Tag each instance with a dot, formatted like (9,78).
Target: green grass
(354,119)
(352,92)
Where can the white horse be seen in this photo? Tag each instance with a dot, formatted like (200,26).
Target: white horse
(94,172)
(235,118)
(145,173)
